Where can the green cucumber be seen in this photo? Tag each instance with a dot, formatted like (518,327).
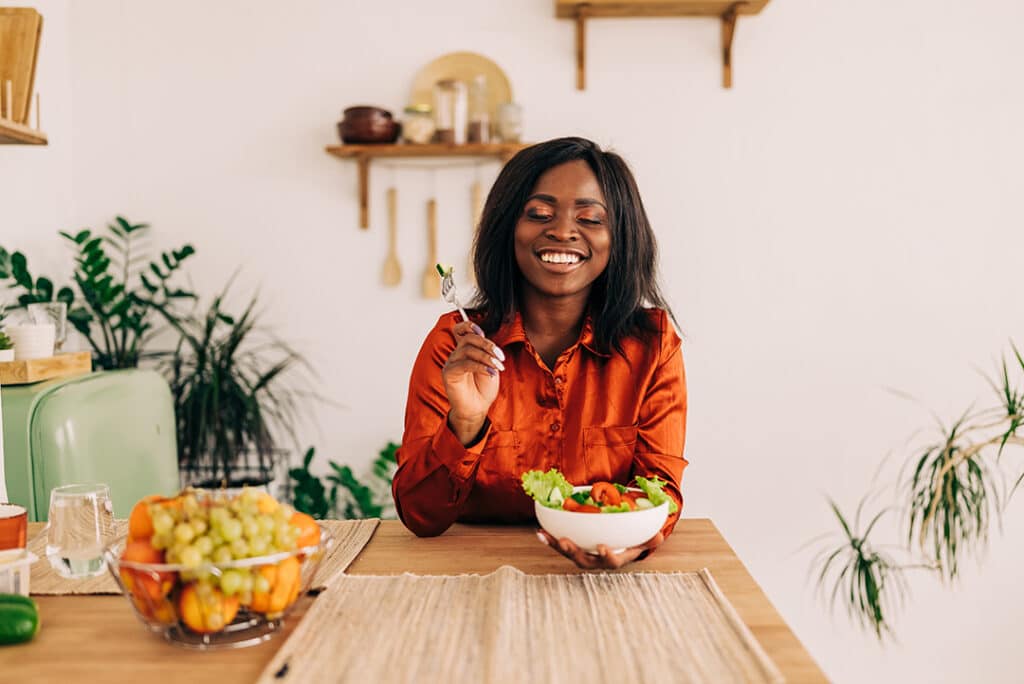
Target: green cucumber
(17,599)
(19,619)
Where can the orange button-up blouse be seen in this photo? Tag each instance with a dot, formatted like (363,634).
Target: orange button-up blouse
(594,417)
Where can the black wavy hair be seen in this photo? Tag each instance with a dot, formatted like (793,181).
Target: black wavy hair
(617,311)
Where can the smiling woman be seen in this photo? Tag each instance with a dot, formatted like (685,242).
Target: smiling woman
(570,359)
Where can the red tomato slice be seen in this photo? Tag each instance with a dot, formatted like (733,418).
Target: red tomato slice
(605,494)
(573,505)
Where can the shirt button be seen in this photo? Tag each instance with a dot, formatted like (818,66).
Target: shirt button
(559,380)
(555,427)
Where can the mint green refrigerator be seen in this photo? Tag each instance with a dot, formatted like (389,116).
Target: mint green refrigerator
(115,427)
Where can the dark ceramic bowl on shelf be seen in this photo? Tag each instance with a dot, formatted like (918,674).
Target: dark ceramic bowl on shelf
(368,125)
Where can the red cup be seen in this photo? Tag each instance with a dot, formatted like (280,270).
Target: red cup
(13,527)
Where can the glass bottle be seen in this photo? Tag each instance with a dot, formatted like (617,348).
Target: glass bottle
(479,111)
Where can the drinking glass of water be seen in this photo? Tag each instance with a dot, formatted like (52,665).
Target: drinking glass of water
(81,525)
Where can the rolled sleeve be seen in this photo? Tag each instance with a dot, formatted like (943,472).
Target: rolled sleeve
(435,471)
(661,435)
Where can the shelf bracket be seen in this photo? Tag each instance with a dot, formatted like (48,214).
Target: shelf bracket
(364,191)
(582,12)
(728,31)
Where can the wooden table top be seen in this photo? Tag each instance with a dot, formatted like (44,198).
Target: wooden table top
(97,638)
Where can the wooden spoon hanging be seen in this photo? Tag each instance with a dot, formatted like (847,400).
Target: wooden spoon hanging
(431,281)
(476,206)
(392,273)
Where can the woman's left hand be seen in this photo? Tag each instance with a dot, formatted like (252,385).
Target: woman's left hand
(604,559)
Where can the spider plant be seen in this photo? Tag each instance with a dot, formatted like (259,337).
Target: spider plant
(862,574)
(233,391)
(954,493)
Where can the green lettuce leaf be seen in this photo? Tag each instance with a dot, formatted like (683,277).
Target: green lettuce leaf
(621,508)
(549,489)
(654,491)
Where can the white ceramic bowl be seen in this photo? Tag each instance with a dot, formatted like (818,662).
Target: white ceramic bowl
(617,531)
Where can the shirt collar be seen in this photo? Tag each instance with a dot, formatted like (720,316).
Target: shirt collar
(513,331)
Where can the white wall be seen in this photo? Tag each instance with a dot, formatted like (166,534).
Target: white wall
(843,220)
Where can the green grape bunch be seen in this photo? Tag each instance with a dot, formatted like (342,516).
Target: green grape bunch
(204,530)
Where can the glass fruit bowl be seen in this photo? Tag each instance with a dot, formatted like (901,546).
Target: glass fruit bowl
(229,604)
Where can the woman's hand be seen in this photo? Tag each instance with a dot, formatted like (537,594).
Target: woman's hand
(471,380)
(604,559)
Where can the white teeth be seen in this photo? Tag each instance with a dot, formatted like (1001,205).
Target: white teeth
(560,257)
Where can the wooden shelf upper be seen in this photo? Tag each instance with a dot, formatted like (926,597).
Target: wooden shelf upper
(568,9)
(503,150)
(727,10)
(364,153)
(12,133)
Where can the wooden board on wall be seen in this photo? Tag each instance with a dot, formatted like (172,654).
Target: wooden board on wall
(20,28)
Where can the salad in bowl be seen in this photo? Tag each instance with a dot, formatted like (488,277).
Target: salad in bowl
(607,513)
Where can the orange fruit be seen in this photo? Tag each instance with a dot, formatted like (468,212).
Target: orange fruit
(267,504)
(261,600)
(285,580)
(140,524)
(207,610)
(309,531)
(161,610)
(147,586)
(286,588)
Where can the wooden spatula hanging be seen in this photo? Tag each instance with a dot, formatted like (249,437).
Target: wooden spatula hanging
(476,206)
(431,281)
(392,273)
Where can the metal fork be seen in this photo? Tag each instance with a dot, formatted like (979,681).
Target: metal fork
(448,290)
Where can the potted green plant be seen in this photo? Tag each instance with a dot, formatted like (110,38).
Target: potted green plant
(346,496)
(234,396)
(6,346)
(118,288)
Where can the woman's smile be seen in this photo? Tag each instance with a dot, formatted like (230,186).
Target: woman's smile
(560,260)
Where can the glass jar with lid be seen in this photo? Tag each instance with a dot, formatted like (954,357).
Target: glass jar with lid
(418,124)
(510,122)
(450,111)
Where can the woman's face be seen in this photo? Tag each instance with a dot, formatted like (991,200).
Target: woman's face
(562,237)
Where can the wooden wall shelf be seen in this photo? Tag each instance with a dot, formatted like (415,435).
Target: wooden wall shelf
(12,133)
(363,154)
(726,10)
(35,370)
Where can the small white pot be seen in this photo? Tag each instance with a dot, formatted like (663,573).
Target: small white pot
(6,355)
(32,341)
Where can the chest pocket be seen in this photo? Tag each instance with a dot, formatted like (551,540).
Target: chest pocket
(501,460)
(608,452)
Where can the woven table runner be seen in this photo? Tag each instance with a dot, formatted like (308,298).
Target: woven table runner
(350,536)
(511,627)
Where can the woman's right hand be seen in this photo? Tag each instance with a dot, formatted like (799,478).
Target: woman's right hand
(471,380)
